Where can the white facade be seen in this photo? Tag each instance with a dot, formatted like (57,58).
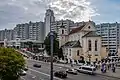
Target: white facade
(49,18)
(78,39)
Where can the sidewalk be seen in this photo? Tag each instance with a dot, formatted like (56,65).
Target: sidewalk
(109,73)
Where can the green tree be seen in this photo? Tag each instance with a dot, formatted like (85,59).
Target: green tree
(55,44)
(11,63)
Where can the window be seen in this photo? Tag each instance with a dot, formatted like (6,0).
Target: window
(89,45)
(77,52)
(85,68)
(70,53)
(96,45)
(62,31)
(89,27)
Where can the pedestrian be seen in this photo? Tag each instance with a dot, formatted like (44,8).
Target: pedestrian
(113,67)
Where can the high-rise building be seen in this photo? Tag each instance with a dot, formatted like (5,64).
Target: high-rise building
(66,23)
(49,18)
(110,35)
(22,31)
(6,34)
(36,31)
(30,31)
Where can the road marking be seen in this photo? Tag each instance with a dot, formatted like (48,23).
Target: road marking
(43,73)
(22,78)
(33,76)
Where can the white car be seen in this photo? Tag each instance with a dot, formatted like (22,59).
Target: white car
(22,72)
(87,69)
(72,71)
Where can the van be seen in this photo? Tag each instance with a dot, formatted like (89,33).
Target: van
(87,69)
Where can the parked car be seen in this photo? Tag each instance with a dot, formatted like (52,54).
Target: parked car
(72,71)
(37,65)
(60,74)
(25,68)
(87,69)
(62,61)
(22,73)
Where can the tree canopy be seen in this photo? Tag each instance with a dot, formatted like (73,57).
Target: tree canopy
(55,44)
(11,63)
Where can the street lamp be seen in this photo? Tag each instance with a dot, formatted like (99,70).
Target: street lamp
(51,50)
(51,41)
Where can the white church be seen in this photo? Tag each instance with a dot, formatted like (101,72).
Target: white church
(82,43)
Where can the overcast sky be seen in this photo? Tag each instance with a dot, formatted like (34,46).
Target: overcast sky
(13,12)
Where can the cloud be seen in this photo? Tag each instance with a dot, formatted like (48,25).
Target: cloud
(13,12)
(77,10)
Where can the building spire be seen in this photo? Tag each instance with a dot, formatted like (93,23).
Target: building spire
(90,19)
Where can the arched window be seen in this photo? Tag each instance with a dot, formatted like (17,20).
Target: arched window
(78,53)
(70,53)
(96,45)
(89,45)
(62,31)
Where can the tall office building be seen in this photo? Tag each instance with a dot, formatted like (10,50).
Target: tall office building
(49,18)
(110,35)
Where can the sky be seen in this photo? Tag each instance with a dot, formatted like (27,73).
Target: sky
(13,12)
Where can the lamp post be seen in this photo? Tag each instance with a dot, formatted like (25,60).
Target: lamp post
(51,50)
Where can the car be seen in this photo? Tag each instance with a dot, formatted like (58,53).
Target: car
(72,71)
(60,74)
(22,73)
(37,65)
(87,69)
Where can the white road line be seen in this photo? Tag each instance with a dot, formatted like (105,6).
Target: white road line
(22,78)
(43,73)
(33,76)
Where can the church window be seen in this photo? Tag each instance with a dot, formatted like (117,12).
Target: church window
(62,31)
(89,27)
(89,45)
(70,53)
(77,52)
(96,45)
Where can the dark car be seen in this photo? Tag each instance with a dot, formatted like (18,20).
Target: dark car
(60,74)
(71,71)
(37,65)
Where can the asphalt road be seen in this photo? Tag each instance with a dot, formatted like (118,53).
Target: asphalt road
(43,73)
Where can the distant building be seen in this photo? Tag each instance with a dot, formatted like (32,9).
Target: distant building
(110,33)
(6,34)
(30,31)
(49,18)
(56,26)
(21,31)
